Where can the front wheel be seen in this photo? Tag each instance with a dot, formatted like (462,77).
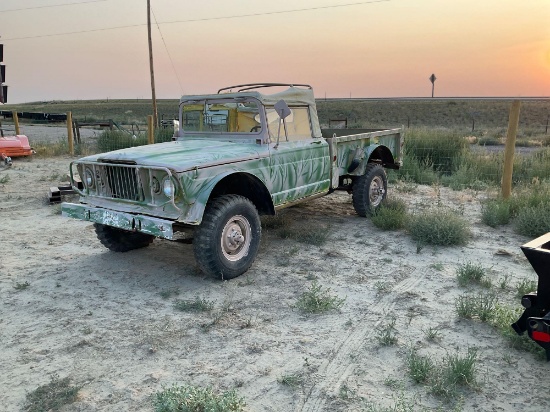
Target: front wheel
(369,190)
(227,241)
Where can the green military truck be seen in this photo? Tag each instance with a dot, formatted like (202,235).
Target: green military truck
(238,154)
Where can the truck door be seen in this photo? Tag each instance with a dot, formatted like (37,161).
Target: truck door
(299,166)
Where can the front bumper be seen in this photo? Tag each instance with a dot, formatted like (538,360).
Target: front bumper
(127,221)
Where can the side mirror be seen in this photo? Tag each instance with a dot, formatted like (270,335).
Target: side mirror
(283,111)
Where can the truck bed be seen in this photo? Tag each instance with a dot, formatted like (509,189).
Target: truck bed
(351,148)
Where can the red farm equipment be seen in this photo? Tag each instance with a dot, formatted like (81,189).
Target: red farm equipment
(14,146)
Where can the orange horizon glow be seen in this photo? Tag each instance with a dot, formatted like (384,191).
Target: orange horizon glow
(388,49)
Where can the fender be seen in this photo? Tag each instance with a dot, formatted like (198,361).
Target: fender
(236,182)
(374,152)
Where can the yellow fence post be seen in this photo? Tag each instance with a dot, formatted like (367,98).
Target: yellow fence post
(150,129)
(16,123)
(70,133)
(513,123)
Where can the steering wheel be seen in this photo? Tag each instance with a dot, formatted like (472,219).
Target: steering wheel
(255,129)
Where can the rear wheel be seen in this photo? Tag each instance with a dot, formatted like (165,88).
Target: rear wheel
(227,241)
(369,190)
(119,240)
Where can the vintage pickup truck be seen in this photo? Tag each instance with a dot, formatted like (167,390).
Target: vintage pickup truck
(238,154)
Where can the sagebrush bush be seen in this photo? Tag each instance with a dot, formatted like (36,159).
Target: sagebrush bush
(533,221)
(391,215)
(528,207)
(439,226)
(496,212)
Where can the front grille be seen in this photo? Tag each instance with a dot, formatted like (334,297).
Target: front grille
(129,182)
(123,182)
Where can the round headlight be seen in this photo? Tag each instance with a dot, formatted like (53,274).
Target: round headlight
(89,176)
(168,187)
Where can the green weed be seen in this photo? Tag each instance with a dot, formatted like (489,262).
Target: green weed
(386,334)
(4,179)
(420,367)
(472,273)
(52,396)
(318,300)
(195,305)
(526,286)
(293,380)
(195,399)
(480,305)
(391,215)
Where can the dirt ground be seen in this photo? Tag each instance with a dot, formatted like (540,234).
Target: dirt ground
(98,317)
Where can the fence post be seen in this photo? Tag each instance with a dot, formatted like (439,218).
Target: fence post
(150,130)
(70,136)
(16,123)
(513,123)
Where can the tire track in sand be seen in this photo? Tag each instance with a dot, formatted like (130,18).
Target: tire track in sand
(339,366)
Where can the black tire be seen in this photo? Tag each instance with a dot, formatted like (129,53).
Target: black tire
(119,240)
(227,241)
(369,190)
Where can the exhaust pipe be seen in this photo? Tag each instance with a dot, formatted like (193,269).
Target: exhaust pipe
(536,317)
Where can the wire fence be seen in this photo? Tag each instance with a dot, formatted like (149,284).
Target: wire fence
(442,146)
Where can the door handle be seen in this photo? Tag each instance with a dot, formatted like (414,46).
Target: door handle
(316,142)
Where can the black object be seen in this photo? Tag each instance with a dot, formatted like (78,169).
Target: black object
(536,317)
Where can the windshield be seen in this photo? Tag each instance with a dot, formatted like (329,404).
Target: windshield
(221,117)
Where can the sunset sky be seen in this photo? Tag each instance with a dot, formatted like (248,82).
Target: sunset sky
(369,49)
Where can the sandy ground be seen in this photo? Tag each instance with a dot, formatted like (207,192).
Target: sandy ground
(98,317)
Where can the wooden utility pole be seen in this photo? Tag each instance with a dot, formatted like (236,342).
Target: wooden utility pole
(509,149)
(153,94)
(70,137)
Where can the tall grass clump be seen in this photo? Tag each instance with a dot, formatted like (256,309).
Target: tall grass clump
(195,399)
(417,171)
(533,221)
(528,208)
(472,273)
(496,212)
(391,215)
(115,139)
(443,148)
(439,226)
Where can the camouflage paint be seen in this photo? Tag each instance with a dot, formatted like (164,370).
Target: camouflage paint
(290,171)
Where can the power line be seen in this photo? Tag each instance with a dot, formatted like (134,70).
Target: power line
(52,5)
(203,19)
(167,51)
(276,12)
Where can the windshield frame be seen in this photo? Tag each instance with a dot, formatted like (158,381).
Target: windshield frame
(245,136)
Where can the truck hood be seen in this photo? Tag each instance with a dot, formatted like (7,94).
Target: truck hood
(182,155)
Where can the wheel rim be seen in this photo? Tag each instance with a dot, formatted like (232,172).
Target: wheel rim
(376,192)
(236,237)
